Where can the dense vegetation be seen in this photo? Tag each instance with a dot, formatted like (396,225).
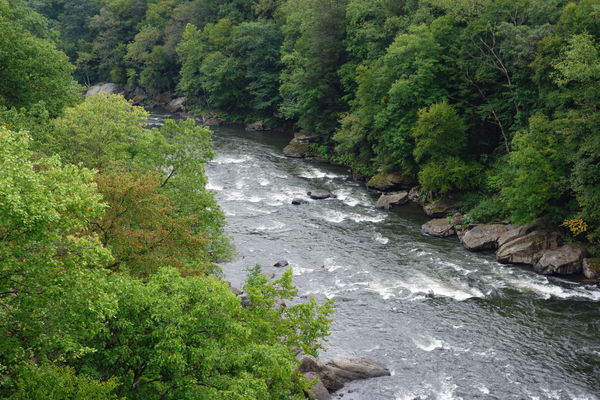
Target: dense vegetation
(493,101)
(109,287)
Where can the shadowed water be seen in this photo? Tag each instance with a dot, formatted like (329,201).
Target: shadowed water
(449,324)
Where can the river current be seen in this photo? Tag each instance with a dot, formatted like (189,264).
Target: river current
(448,323)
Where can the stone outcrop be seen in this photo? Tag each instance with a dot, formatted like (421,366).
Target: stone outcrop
(162,98)
(386,200)
(339,371)
(320,194)
(514,232)
(177,105)
(138,96)
(439,227)
(389,182)
(296,149)
(416,196)
(483,237)
(528,249)
(257,126)
(108,88)
(306,137)
(440,208)
(591,268)
(565,260)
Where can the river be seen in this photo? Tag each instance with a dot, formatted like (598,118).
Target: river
(449,324)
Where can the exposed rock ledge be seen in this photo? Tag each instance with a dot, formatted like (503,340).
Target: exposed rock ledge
(331,376)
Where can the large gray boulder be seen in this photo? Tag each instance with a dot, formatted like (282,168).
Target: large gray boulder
(441,208)
(514,232)
(439,227)
(483,237)
(351,368)
(317,390)
(528,249)
(108,88)
(591,268)
(176,105)
(565,260)
(320,194)
(385,182)
(386,200)
(297,149)
(306,137)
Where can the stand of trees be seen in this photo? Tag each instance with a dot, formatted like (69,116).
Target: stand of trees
(109,287)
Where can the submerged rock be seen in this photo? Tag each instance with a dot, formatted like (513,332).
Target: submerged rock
(386,200)
(439,227)
(565,260)
(298,201)
(296,149)
(528,249)
(483,237)
(320,194)
(388,182)
(591,268)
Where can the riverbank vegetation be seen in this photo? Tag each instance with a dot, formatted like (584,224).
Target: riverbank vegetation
(109,243)
(492,101)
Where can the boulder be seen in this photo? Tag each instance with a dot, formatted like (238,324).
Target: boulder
(317,390)
(256,126)
(527,249)
(440,208)
(176,105)
(162,98)
(483,237)
(386,200)
(388,182)
(296,149)
(138,96)
(514,232)
(306,137)
(298,201)
(108,88)
(416,196)
(281,263)
(350,368)
(439,227)
(591,268)
(209,120)
(320,194)
(565,260)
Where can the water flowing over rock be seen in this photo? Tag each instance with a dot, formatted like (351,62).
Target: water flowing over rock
(483,237)
(439,227)
(591,268)
(320,194)
(108,88)
(389,182)
(528,249)
(565,260)
(386,200)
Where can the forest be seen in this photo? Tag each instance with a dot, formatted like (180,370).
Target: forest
(493,102)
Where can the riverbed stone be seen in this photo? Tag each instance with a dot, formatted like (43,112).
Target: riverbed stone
(591,268)
(441,208)
(299,201)
(320,194)
(281,263)
(438,227)
(296,149)
(350,368)
(564,260)
(528,249)
(386,182)
(483,237)
(386,200)
(108,88)
(177,105)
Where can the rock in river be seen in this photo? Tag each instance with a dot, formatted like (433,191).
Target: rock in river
(565,260)
(298,201)
(591,268)
(483,237)
(320,194)
(440,208)
(528,249)
(296,149)
(386,200)
(439,227)
(281,263)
